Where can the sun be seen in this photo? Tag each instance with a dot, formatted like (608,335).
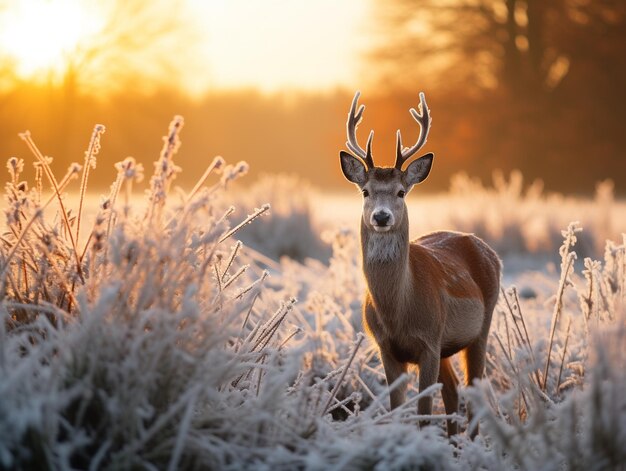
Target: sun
(41,36)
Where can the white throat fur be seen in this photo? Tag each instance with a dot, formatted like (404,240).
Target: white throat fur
(383,247)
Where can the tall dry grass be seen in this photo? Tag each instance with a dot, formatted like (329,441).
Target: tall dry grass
(154,339)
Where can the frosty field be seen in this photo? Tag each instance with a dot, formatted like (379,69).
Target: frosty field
(204,329)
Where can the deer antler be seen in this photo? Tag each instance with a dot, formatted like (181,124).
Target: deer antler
(423,119)
(354,118)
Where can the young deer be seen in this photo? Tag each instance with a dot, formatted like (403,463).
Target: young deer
(427,299)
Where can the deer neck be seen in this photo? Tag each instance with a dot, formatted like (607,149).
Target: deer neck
(386,263)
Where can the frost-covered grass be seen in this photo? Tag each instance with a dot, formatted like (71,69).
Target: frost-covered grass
(153,339)
(520,220)
(289,230)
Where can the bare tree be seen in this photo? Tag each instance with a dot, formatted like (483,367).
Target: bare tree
(540,81)
(141,39)
(142,45)
(516,44)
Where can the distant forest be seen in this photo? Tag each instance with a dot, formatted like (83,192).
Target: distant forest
(535,85)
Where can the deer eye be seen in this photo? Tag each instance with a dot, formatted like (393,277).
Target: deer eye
(365,193)
(401,194)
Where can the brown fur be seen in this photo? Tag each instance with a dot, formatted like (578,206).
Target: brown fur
(428,299)
(433,299)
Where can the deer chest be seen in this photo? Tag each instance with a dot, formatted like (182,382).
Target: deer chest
(390,336)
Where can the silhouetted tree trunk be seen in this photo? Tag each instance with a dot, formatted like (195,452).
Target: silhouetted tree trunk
(536,42)
(512,75)
(558,70)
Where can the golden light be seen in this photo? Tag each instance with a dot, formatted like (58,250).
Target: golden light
(277,45)
(41,36)
(221,44)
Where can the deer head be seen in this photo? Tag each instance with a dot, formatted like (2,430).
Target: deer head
(384,188)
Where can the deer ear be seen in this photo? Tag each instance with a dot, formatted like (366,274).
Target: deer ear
(353,169)
(418,170)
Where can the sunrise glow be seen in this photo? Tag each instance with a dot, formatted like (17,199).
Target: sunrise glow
(273,45)
(267,45)
(41,36)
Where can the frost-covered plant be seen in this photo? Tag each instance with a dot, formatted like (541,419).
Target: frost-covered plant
(551,397)
(133,349)
(153,339)
(288,229)
(587,430)
(517,219)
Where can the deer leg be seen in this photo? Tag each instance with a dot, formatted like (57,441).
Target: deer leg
(393,370)
(474,356)
(429,371)
(449,392)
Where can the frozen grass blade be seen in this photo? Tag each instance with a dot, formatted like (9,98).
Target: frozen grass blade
(256,296)
(43,161)
(558,380)
(357,344)
(231,258)
(248,220)
(527,341)
(567,261)
(90,162)
(72,172)
(234,277)
(11,254)
(216,164)
(183,430)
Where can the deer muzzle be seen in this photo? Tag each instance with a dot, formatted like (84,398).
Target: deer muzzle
(382,219)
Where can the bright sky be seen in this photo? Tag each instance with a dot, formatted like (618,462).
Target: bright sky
(38,35)
(272,44)
(265,44)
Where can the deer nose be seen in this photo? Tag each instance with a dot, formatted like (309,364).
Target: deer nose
(381,218)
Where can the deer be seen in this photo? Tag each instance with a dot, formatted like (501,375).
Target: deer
(427,299)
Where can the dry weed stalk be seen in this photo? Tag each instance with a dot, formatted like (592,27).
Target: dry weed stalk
(154,363)
(567,261)
(127,287)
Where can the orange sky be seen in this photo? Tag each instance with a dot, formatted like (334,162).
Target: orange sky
(269,45)
(277,44)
